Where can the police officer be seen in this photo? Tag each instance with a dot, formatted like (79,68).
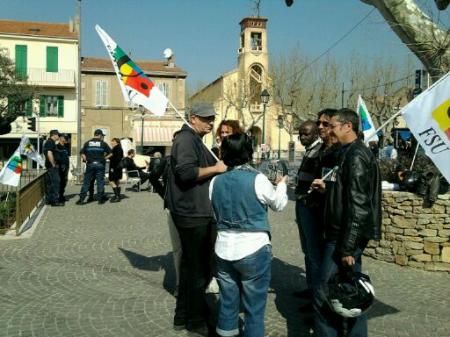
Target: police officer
(94,153)
(64,164)
(52,178)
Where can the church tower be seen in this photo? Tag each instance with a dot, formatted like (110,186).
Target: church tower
(253,59)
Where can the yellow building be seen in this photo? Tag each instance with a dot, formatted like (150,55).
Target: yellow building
(103,106)
(237,94)
(47,55)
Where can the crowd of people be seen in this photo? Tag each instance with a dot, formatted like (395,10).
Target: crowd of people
(217,214)
(94,153)
(218,222)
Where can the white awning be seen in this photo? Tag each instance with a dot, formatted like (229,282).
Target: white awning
(155,136)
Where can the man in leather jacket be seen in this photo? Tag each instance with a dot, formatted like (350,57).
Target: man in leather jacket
(352,218)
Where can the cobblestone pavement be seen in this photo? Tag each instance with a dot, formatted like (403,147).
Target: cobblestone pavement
(106,270)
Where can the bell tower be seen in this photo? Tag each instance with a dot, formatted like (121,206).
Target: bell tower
(253,59)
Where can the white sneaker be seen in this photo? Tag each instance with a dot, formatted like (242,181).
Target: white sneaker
(213,287)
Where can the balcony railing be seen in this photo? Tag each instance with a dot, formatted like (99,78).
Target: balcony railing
(38,76)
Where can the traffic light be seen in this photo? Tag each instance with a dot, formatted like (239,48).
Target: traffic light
(31,121)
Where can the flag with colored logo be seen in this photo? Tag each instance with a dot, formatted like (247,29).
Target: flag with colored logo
(10,173)
(137,88)
(365,122)
(428,117)
(27,149)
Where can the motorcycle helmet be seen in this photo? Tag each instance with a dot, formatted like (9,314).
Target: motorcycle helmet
(410,181)
(351,294)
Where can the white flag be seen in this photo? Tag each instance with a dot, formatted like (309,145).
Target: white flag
(27,149)
(365,122)
(10,173)
(428,117)
(137,89)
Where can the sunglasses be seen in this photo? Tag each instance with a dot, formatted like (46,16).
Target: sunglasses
(324,123)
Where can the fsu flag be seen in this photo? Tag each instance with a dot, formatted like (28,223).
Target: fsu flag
(10,173)
(27,149)
(137,88)
(428,117)
(366,124)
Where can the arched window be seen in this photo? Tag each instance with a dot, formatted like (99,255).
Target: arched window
(255,83)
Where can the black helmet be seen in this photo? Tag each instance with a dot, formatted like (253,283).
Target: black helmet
(350,294)
(411,180)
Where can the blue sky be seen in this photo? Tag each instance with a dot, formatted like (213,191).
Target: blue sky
(204,34)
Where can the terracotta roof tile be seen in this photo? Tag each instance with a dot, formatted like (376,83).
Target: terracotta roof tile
(37,29)
(105,65)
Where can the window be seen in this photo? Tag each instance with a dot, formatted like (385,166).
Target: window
(51,106)
(21,61)
(256,41)
(101,87)
(52,59)
(164,87)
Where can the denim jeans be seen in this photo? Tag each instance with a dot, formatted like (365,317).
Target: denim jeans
(52,185)
(97,171)
(326,322)
(247,279)
(311,241)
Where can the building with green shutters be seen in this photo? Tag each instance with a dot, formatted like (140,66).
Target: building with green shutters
(46,57)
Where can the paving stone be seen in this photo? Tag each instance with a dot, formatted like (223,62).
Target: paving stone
(107,270)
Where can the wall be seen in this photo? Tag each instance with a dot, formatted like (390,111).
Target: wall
(412,235)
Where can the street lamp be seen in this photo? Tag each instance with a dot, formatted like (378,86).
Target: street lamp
(280,126)
(264,99)
(142,110)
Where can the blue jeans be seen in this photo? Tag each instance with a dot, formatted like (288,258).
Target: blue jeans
(247,279)
(311,241)
(97,171)
(326,322)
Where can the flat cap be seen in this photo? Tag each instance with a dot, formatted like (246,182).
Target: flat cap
(202,109)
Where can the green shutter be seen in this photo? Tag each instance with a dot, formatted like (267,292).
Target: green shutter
(60,106)
(42,106)
(29,108)
(52,59)
(21,61)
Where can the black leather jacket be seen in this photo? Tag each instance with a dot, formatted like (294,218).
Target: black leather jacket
(353,207)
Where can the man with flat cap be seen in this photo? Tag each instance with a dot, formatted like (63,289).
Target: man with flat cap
(95,152)
(191,170)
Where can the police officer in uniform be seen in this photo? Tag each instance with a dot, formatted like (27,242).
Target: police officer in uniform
(94,153)
(63,163)
(52,179)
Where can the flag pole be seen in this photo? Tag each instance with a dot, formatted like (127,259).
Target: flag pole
(415,155)
(187,123)
(382,126)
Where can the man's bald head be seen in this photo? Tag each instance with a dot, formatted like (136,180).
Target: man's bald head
(308,132)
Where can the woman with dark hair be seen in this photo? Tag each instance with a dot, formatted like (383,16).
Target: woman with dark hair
(115,169)
(243,251)
(226,128)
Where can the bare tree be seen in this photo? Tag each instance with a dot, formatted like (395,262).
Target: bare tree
(301,89)
(14,93)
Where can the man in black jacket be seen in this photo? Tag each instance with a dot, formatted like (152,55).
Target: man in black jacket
(306,206)
(352,217)
(192,168)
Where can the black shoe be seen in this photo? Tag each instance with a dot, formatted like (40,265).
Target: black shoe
(114,199)
(90,199)
(81,202)
(56,204)
(201,330)
(179,323)
(63,199)
(102,200)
